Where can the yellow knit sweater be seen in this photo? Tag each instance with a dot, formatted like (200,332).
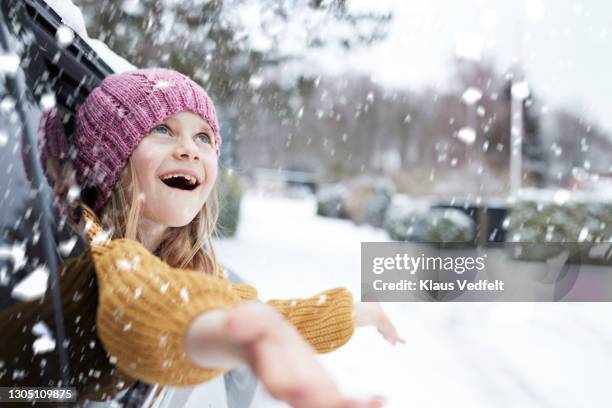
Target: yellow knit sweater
(145,307)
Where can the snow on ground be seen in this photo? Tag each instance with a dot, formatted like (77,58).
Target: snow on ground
(457,354)
(281,241)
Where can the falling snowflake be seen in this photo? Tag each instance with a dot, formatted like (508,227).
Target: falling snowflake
(162,84)
(41,329)
(19,374)
(127,265)
(4,276)
(185,295)
(43,345)
(132,7)
(66,247)
(73,193)
(163,288)
(561,197)
(467,135)
(3,138)
(9,64)
(123,264)
(47,101)
(471,95)
(256,81)
(16,253)
(32,286)
(7,105)
(520,90)
(584,234)
(64,36)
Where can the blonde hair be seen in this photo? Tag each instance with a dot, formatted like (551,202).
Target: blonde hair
(189,246)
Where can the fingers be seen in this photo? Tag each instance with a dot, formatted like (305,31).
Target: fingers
(390,334)
(387,328)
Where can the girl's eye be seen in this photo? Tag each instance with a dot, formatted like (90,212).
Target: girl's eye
(163,129)
(203,137)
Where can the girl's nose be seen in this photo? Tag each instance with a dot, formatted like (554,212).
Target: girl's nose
(186,148)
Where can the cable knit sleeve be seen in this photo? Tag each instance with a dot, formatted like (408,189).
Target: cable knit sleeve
(326,320)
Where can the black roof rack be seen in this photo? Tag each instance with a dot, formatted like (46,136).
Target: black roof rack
(71,72)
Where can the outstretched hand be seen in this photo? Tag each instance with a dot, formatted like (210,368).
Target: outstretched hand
(283,361)
(280,358)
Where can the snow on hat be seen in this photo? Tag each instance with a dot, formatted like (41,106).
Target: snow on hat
(51,143)
(121,111)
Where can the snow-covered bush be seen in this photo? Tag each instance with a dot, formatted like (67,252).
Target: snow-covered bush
(368,199)
(230,195)
(450,225)
(532,221)
(405,219)
(583,225)
(411,220)
(331,201)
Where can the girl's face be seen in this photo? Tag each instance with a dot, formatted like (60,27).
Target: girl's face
(176,168)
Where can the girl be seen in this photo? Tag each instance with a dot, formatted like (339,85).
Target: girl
(147,144)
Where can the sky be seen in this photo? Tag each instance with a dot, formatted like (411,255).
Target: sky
(564,46)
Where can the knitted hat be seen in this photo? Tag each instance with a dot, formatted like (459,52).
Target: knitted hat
(120,112)
(51,143)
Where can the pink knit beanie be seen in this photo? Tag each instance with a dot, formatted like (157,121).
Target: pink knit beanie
(120,112)
(51,142)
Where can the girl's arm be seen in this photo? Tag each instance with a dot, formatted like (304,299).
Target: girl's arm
(180,327)
(327,320)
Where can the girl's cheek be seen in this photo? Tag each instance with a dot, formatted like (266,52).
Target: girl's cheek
(211,169)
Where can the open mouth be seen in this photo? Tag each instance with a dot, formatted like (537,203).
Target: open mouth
(180,182)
